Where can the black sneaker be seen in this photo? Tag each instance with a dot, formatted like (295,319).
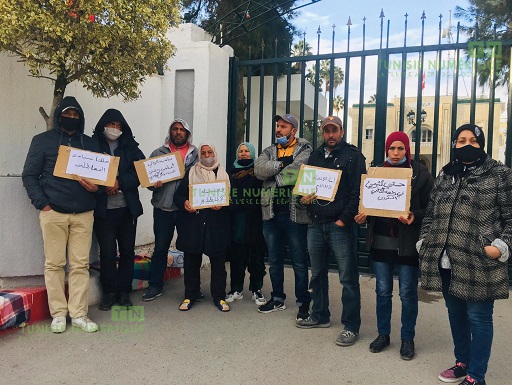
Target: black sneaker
(310,323)
(123,299)
(200,297)
(471,381)
(151,293)
(107,301)
(379,343)
(407,350)
(303,311)
(271,306)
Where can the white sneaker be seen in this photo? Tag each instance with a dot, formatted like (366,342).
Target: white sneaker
(85,324)
(58,325)
(257,296)
(232,296)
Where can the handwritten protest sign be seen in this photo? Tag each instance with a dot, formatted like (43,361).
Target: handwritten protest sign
(165,168)
(73,163)
(386,192)
(203,195)
(322,181)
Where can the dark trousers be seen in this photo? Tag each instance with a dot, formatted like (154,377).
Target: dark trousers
(117,229)
(164,223)
(246,256)
(192,276)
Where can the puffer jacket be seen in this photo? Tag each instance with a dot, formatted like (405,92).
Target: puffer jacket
(63,195)
(463,216)
(267,168)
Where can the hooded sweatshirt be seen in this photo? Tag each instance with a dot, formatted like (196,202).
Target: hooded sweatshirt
(163,197)
(43,188)
(127,149)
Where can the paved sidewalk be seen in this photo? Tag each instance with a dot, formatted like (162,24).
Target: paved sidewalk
(206,346)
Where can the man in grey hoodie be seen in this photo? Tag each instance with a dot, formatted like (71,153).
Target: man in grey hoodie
(164,210)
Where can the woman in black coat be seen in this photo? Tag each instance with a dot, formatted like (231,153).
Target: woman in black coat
(392,244)
(247,244)
(117,210)
(203,231)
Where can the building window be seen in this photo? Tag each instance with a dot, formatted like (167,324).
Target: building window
(425,137)
(369,133)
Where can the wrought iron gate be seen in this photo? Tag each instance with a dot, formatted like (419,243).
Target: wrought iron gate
(262,87)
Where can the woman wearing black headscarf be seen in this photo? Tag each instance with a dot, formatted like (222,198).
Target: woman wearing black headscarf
(465,241)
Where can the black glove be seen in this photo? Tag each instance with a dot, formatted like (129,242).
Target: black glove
(287,160)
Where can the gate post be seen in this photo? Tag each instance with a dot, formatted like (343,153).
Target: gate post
(381,106)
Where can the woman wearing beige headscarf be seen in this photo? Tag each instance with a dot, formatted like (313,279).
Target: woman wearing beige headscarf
(203,231)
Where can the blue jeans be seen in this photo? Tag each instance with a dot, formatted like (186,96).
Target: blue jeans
(164,223)
(472,329)
(324,238)
(278,232)
(408,289)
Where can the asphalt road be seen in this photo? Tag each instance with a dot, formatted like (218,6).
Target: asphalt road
(161,345)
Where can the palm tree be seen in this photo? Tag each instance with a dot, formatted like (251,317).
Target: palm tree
(302,48)
(325,73)
(373,99)
(338,104)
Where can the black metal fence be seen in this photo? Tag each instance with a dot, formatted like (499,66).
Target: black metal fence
(256,83)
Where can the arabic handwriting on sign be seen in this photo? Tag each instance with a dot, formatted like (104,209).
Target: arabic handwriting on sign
(328,179)
(383,184)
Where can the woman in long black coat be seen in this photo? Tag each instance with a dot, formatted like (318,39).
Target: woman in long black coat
(203,231)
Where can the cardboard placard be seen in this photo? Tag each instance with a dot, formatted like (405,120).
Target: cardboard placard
(386,192)
(322,181)
(74,163)
(163,168)
(204,195)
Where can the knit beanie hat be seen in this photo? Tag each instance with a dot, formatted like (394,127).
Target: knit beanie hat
(401,137)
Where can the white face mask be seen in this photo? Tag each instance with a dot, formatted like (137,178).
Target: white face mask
(112,133)
(208,162)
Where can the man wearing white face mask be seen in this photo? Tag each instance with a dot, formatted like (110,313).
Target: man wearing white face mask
(117,210)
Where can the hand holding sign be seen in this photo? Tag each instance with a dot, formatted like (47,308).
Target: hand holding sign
(322,182)
(386,192)
(161,169)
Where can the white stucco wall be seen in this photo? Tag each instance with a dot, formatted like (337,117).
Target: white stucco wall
(149,118)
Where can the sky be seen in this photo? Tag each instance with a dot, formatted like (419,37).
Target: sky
(326,13)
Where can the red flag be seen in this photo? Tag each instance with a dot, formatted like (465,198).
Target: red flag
(423,81)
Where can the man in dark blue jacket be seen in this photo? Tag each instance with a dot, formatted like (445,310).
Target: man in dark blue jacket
(117,210)
(332,232)
(66,216)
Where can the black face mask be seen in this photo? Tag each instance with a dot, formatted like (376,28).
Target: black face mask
(69,124)
(245,162)
(468,153)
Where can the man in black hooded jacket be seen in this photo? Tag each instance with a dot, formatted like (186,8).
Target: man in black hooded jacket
(117,210)
(66,216)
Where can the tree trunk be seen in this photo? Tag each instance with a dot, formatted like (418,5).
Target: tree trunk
(58,95)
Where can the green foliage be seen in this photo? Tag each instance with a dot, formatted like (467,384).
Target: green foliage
(338,104)
(325,76)
(494,23)
(110,46)
(276,33)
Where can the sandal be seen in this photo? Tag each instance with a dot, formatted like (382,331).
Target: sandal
(222,305)
(186,305)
